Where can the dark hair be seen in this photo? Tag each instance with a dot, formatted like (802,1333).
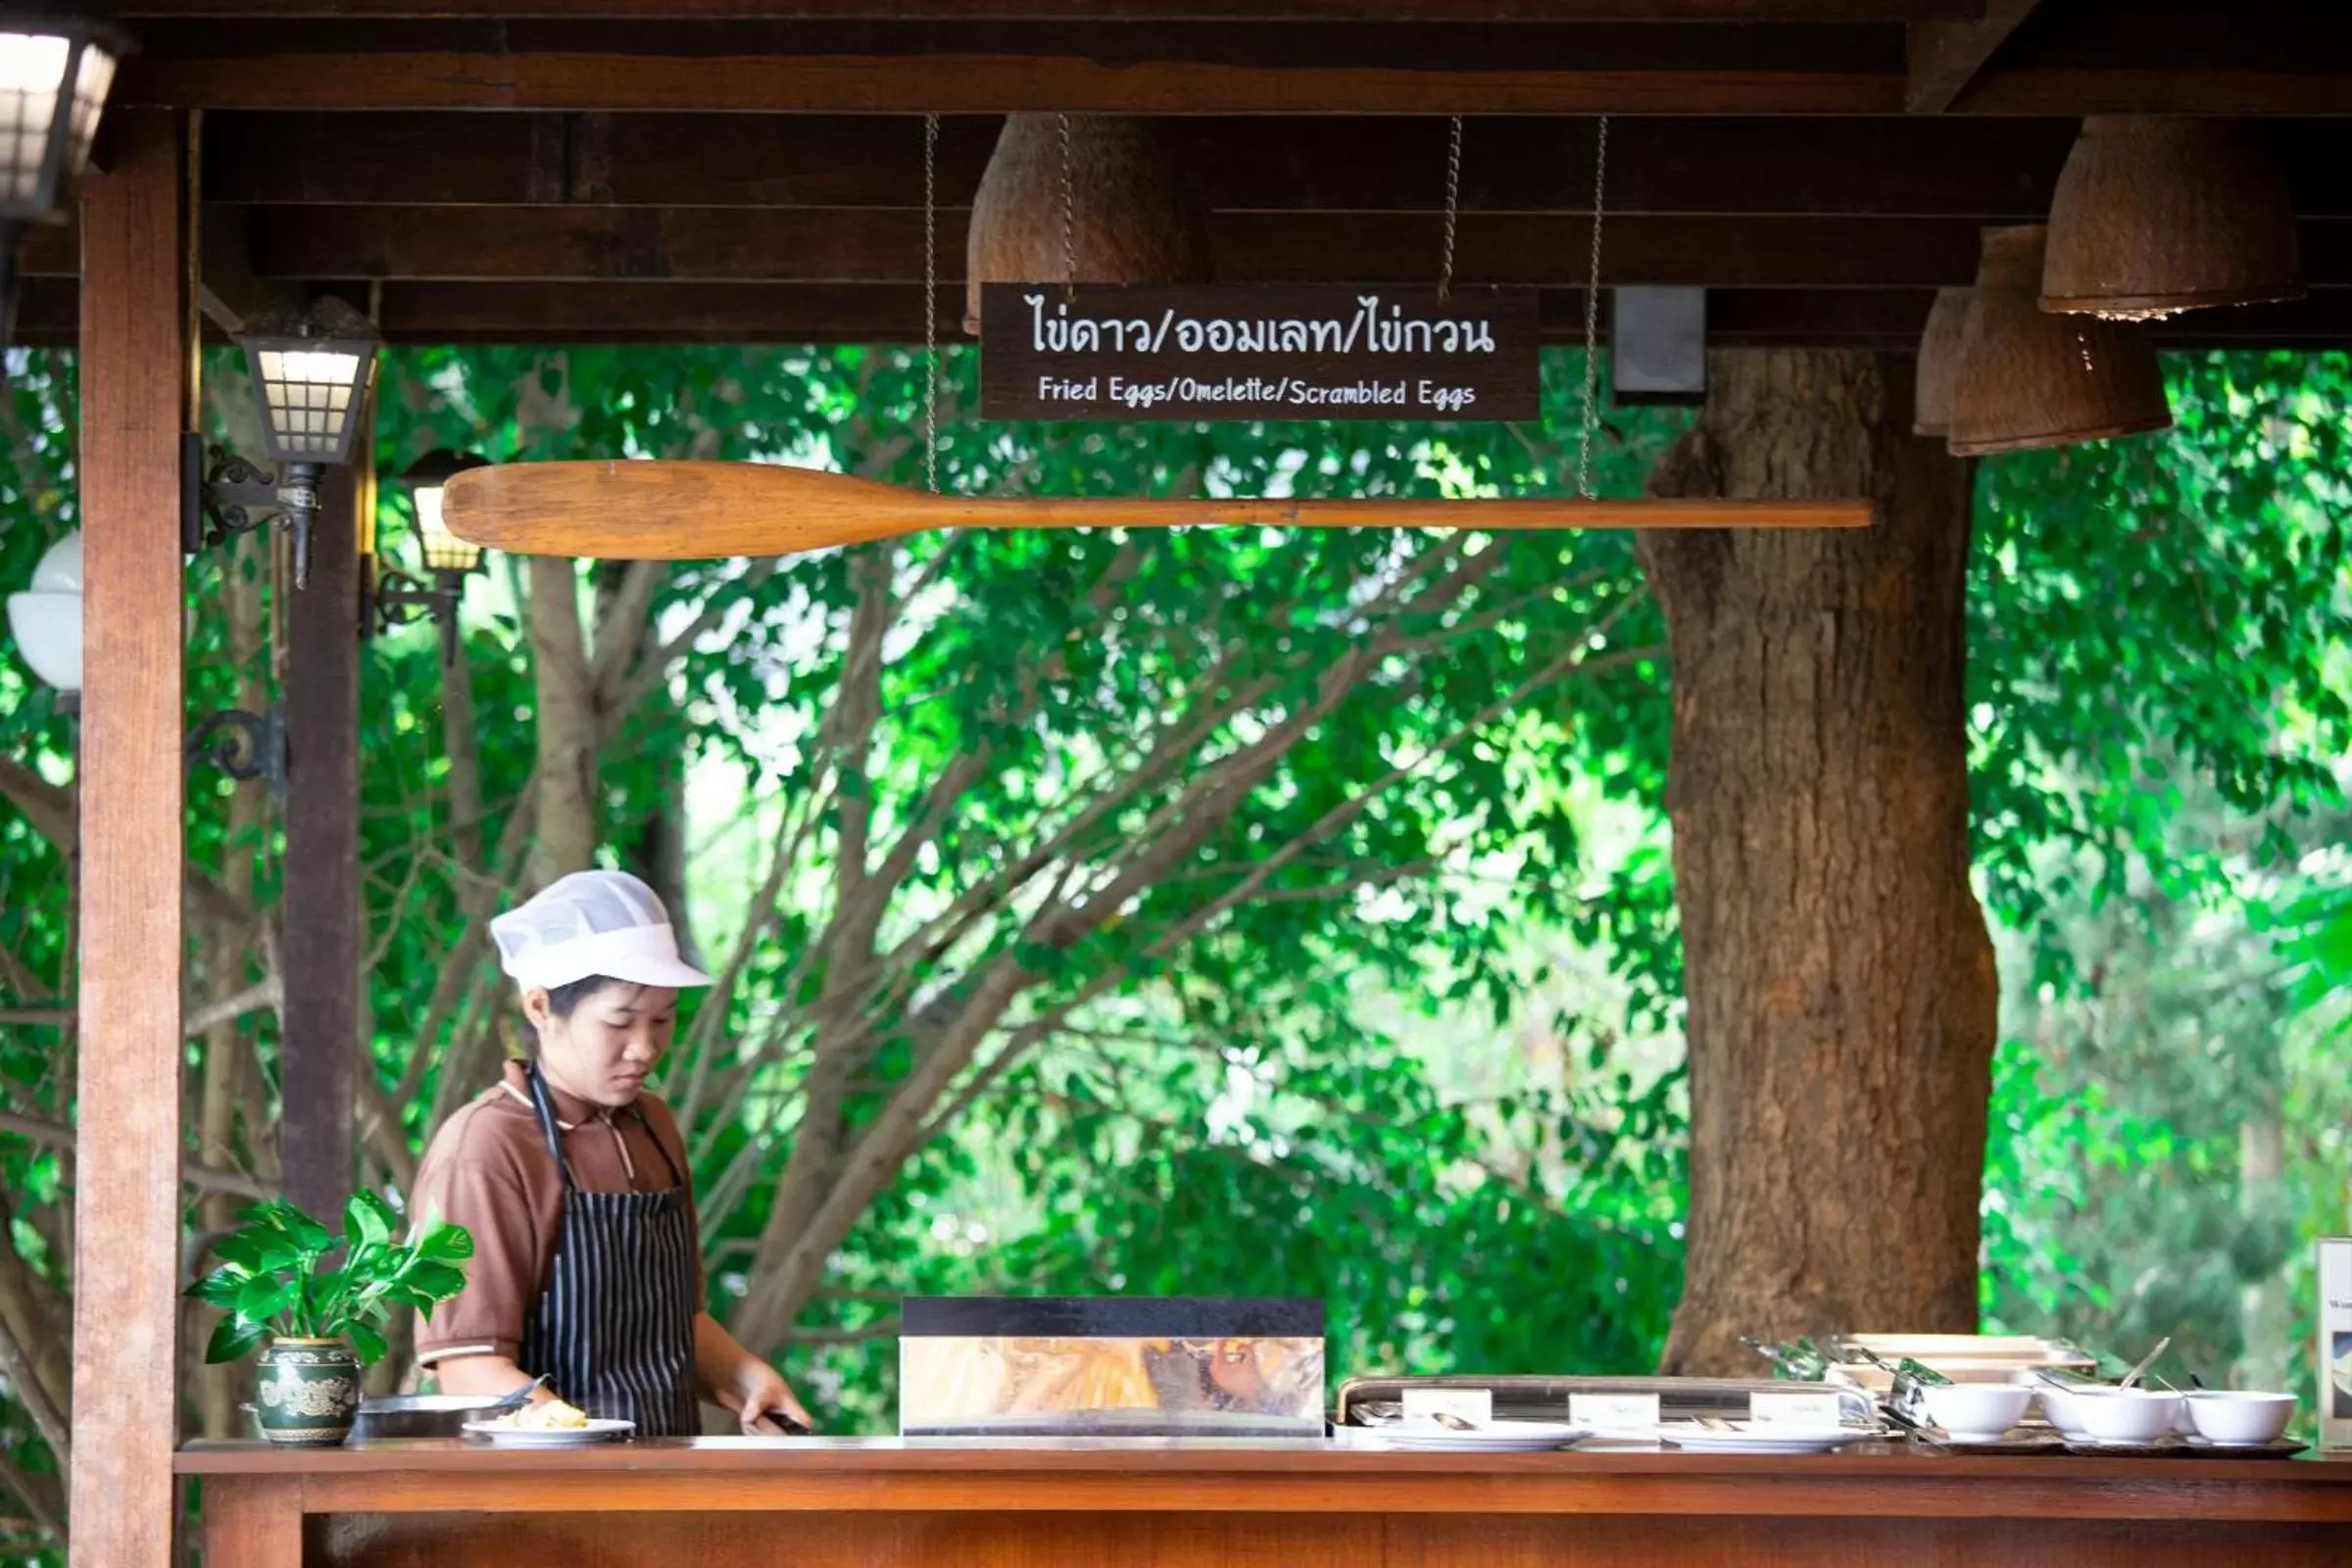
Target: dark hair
(563,998)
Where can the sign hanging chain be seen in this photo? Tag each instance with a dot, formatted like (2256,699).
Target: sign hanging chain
(1453,206)
(1583,450)
(1069,215)
(931,302)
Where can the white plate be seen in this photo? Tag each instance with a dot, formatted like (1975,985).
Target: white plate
(1762,1440)
(596,1431)
(1496,1437)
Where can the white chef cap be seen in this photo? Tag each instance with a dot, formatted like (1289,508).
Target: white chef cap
(592,923)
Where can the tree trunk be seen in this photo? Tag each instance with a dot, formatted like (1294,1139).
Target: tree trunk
(567,729)
(1839,977)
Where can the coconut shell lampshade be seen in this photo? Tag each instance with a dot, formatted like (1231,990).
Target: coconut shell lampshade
(1939,363)
(1129,217)
(2158,214)
(2030,379)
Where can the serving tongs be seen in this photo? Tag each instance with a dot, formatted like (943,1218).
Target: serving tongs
(512,1401)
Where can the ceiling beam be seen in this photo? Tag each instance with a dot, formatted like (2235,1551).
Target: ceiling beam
(754,245)
(1882,11)
(1160,68)
(720,314)
(1888,165)
(227,288)
(706,244)
(1945,56)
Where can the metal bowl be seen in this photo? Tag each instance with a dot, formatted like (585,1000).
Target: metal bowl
(419,1415)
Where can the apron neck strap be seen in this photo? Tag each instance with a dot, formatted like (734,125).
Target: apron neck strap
(544,1106)
(677,1177)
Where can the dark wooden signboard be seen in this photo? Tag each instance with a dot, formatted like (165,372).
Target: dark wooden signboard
(1291,352)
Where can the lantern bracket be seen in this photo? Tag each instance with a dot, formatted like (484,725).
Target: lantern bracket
(244,746)
(223,495)
(391,597)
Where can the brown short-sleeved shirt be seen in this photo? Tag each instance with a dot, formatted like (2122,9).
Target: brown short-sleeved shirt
(488,1170)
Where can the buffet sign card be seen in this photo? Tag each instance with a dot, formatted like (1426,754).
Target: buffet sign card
(1423,1406)
(1048,351)
(1613,1412)
(2336,1342)
(1809,1410)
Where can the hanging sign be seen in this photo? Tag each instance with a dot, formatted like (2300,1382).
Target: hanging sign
(1278,352)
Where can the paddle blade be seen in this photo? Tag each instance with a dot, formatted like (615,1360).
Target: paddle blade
(672,511)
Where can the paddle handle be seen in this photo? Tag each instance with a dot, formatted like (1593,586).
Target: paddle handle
(704,511)
(1493,514)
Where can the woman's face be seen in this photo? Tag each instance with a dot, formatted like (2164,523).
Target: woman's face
(609,1044)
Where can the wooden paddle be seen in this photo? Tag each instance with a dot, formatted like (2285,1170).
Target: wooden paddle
(699,511)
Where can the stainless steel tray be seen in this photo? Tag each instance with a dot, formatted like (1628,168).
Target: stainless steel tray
(1524,1398)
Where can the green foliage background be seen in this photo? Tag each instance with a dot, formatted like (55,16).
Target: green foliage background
(1448,1102)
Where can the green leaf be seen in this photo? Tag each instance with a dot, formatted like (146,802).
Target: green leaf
(220,1287)
(266,1295)
(368,1220)
(445,1243)
(246,1250)
(439,1281)
(235,1337)
(365,1342)
(305,1233)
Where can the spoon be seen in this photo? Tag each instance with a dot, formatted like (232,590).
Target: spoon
(2132,1377)
(514,1401)
(1446,1418)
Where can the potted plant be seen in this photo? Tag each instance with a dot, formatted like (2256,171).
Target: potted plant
(321,1322)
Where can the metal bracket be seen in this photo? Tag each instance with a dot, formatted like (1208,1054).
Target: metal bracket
(222,495)
(244,746)
(390,597)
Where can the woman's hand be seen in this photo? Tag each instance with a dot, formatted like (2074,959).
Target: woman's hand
(745,1385)
(757,1389)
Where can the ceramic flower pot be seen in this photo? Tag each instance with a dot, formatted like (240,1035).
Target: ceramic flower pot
(306,1392)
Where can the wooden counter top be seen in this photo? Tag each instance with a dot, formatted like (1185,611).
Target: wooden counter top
(1284,1476)
(845,1500)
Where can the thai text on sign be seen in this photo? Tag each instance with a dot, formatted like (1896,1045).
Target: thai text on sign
(1049,351)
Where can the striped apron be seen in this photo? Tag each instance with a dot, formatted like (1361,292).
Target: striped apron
(613,1330)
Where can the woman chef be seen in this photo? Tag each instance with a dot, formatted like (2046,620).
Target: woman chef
(572,1181)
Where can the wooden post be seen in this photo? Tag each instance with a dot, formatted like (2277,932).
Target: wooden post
(321,945)
(135,345)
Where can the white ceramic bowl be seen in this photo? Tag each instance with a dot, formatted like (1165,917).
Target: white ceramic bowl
(2239,1420)
(1975,1413)
(2127,1415)
(2062,1409)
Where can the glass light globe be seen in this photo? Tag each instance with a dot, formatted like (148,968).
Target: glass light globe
(46,619)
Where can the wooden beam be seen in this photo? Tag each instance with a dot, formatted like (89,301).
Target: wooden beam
(720,314)
(1890,166)
(323,941)
(1165,69)
(595,244)
(1945,56)
(135,330)
(226,287)
(1885,11)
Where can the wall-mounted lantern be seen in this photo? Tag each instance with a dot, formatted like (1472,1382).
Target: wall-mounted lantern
(398,598)
(309,380)
(46,619)
(55,68)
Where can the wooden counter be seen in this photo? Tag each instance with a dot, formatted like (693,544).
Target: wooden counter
(829,1503)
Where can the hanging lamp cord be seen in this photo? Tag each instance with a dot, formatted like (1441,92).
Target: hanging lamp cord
(1584,448)
(1453,206)
(931,302)
(1069,215)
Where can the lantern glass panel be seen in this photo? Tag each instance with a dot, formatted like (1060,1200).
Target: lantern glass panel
(33,78)
(308,396)
(91,85)
(443,551)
